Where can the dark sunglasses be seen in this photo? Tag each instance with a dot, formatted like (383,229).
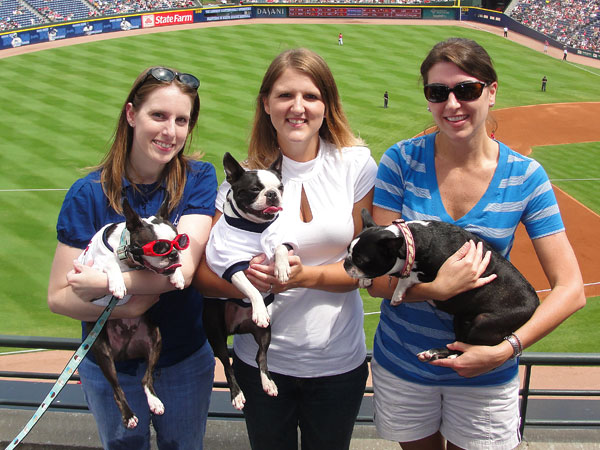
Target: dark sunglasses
(162,247)
(167,75)
(465,92)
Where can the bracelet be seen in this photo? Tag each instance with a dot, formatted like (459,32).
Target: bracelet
(515,342)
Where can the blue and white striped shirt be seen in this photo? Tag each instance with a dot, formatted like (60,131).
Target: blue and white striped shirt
(406,182)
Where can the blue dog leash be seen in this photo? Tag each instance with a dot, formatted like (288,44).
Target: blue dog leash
(66,373)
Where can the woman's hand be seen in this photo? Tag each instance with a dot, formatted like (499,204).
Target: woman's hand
(86,282)
(462,272)
(476,359)
(262,276)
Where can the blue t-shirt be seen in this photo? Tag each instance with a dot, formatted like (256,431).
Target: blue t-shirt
(178,313)
(406,183)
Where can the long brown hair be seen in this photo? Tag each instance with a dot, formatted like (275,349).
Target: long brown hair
(263,148)
(113,165)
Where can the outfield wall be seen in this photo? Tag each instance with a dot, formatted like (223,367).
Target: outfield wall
(56,31)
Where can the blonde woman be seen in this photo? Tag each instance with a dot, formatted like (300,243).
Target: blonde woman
(317,353)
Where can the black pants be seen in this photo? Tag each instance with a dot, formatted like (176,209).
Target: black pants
(324,409)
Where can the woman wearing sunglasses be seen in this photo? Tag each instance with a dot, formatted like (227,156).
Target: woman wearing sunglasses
(460,175)
(146,163)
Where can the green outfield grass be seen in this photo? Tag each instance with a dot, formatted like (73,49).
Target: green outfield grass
(60,107)
(575,169)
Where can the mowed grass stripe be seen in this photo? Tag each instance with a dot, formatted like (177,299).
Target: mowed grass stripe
(63,106)
(580,172)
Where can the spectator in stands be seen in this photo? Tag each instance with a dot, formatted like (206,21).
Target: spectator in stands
(317,355)
(146,163)
(459,174)
(575,23)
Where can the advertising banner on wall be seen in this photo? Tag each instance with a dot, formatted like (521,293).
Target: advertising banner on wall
(269,11)
(167,18)
(244,12)
(122,24)
(388,13)
(439,14)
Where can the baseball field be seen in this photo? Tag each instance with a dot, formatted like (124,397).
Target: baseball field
(60,107)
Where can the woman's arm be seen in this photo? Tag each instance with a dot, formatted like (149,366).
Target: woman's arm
(88,283)
(73,285)
(566,296)
(328,277)
(209,283)
(62,299)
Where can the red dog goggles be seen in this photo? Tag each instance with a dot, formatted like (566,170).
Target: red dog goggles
(162,247)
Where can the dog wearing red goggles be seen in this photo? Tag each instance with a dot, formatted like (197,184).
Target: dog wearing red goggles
(137,243)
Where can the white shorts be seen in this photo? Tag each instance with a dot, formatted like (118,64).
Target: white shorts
(469,417)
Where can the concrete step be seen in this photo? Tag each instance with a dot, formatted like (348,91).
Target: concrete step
(59,430)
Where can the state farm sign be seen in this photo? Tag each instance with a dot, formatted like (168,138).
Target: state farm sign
(168,18)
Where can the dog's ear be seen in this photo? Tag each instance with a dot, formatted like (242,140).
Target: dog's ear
(233,169)
(163,211)
(276,166)
(132,219)
(367,219)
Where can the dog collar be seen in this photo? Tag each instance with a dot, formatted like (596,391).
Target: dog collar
(241,223)
(124,251)
(410,247)
(123,248)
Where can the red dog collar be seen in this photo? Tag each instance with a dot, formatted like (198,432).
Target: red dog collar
(410,247)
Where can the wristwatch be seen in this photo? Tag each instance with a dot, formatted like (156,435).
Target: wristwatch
(515,342)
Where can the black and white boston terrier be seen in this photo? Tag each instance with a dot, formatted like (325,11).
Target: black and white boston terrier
(414,251)
(137,243)
(248,227)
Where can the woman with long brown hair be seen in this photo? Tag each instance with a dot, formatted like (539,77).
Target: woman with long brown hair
(146,164)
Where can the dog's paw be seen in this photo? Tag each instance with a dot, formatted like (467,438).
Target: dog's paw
(154,403)
(116,284)
(156,406)
(132,422)
(283,271)
(118,291)
(177,279)
(261,317)
(425,356)
(396,299)
(364,283)
(268,385)
(436,353)
(239,401)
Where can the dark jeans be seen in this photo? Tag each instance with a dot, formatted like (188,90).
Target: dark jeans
(324,408)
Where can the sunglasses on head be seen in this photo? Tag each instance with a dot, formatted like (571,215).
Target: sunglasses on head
(162,247)
(167,75)
(465,92)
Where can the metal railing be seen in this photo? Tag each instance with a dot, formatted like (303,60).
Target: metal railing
(528,360)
